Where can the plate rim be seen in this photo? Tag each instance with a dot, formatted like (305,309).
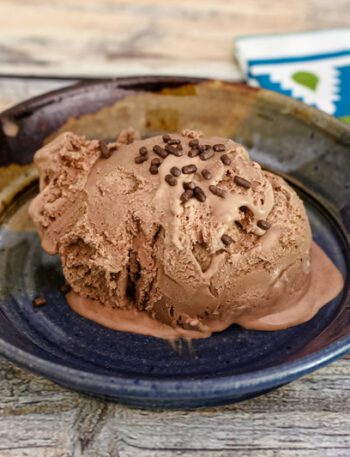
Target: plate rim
(150,389)
(219,387)
(328,123)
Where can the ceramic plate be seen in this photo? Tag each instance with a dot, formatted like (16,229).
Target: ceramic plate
(311,148)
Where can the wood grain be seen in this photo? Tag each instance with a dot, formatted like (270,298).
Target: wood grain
(111,37)
(308,418)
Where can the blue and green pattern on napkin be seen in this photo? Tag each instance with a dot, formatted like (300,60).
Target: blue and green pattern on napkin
(313,67)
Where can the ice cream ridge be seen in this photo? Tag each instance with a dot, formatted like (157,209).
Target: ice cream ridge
(178,235)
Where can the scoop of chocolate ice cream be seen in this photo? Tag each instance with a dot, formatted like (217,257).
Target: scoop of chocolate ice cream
(185,228)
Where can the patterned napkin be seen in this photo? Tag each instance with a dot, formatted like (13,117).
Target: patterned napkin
(313,67)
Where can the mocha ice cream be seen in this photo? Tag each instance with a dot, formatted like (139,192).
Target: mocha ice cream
(177,235)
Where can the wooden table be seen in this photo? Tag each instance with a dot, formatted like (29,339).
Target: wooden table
(41,41)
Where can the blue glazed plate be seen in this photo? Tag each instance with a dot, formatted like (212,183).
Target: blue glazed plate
(311,149)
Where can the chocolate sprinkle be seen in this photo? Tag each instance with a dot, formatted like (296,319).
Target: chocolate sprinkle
(217,191)
(206,155)
(65,288)
(40,300)
(206,174)
(188,185)
(166,138)
(193,153)
(219,147)
(171,180)
(173,141)
(172,150)
(193,143)
(143,151)
(204,147)
(189,169)
(160,151)
(156,162)
(175,171)
(227,240)
(187,195)
(199,194)
(225,159)
(140,159)
(264,225)
(105,152)
(153,169)
(242,182)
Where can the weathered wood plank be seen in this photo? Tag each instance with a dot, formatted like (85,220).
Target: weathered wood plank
(307,418)
(111,37)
